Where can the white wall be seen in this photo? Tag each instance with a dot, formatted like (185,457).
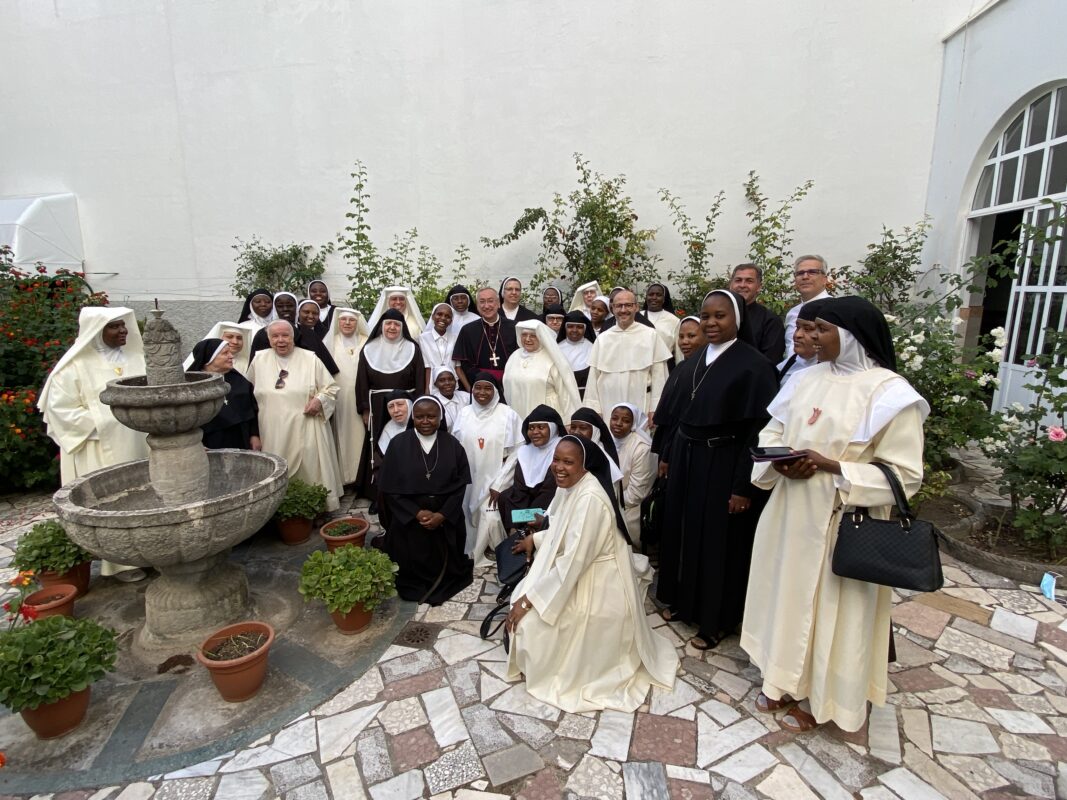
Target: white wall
(993,68)
(181,124)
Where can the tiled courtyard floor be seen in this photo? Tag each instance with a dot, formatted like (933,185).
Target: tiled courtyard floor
(977,709)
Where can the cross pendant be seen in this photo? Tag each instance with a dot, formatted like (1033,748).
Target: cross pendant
(427,476)
(495,359)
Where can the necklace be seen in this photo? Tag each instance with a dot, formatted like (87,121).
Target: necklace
(430,469)
(494,358)
(696,383)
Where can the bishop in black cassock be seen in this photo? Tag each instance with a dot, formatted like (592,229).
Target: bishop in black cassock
(481,347)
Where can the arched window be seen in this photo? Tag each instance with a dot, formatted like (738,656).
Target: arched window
(1025,170)
(1029,160)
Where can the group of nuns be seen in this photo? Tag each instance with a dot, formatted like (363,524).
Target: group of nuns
(445,443)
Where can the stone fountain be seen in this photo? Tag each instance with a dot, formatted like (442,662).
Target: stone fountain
(181,510)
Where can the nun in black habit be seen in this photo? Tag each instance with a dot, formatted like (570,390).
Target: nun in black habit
(526,480)
(716,409)
(237,423)
(576,345)
(421,485)
(261,313)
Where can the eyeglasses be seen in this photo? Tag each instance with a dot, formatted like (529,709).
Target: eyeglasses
(625,305)
(807,273)
(280,384)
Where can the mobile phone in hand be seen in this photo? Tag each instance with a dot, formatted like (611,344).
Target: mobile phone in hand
(781,454)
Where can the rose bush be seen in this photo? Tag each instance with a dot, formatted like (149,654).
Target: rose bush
(1030,445)
(38,322)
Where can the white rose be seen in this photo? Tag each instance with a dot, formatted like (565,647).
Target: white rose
(917,361)
(919,338)
(1018,407)
(983,380)
(997,354)
(920,321)
(999,336)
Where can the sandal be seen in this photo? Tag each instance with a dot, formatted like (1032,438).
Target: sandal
(666,614)
(765,705)
(801,720)
(701,642)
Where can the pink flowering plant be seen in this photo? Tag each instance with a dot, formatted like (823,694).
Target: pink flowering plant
(1029,444)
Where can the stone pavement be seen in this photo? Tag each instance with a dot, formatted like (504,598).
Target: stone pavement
(977,709)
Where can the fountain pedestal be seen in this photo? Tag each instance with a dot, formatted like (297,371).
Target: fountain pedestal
(181,510)
(207,593)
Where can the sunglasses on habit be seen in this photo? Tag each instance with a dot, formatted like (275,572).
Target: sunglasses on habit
(281,379)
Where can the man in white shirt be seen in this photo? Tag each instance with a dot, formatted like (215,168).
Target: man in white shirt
(809,279)
(628,362)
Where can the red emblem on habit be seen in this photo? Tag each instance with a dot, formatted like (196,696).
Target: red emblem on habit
(481,444)
(815,412)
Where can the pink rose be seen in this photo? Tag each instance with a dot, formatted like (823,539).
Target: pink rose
(1032,362)
(1057,434)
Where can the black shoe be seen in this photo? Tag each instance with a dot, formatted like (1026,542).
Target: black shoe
(373,508)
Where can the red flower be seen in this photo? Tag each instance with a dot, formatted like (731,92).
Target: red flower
(28,612)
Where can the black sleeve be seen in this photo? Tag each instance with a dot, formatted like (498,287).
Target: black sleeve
(772,339)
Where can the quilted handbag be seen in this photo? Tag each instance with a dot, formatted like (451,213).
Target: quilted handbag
(901,553)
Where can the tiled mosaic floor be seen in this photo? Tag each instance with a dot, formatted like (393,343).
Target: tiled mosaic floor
(978,709)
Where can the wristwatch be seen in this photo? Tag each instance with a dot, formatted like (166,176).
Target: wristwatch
(524,604)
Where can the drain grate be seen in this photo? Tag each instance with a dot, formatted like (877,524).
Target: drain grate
(418,634)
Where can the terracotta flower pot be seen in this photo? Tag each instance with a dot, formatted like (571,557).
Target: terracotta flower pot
(239,678)
(355,538)
(356,620)
(77,576)
(52,720)
(53,601)
(294,530)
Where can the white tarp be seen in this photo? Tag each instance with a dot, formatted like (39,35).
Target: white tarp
(43,228)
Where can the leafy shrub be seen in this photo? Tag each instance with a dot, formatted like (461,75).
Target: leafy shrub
(279,268)
(347,576)
(589,235)
(770,238)
(49,659)
(46,548)
(693,281)
(306,500)
(406,262)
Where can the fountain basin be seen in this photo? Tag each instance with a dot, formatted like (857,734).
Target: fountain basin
(167,408)
(116,514)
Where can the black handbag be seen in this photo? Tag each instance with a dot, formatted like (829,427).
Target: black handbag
(510,569)
(900,553)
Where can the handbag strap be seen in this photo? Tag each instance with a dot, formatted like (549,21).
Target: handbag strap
(898,491)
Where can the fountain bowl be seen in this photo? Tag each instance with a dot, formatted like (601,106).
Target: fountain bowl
(168,408)
(115,513)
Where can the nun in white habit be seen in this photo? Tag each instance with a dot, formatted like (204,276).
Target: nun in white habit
(108,347)
(403,300)
(488,430)
(348,333)
(538,373)
(438,339)
(629,430)
(584,296)
(444,385)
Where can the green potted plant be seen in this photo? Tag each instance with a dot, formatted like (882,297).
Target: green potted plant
(303,502)
(352,581)
(346,530)
(47,551)
(236,658)
(47,667)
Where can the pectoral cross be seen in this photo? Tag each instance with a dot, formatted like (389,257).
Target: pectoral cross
(495,359)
